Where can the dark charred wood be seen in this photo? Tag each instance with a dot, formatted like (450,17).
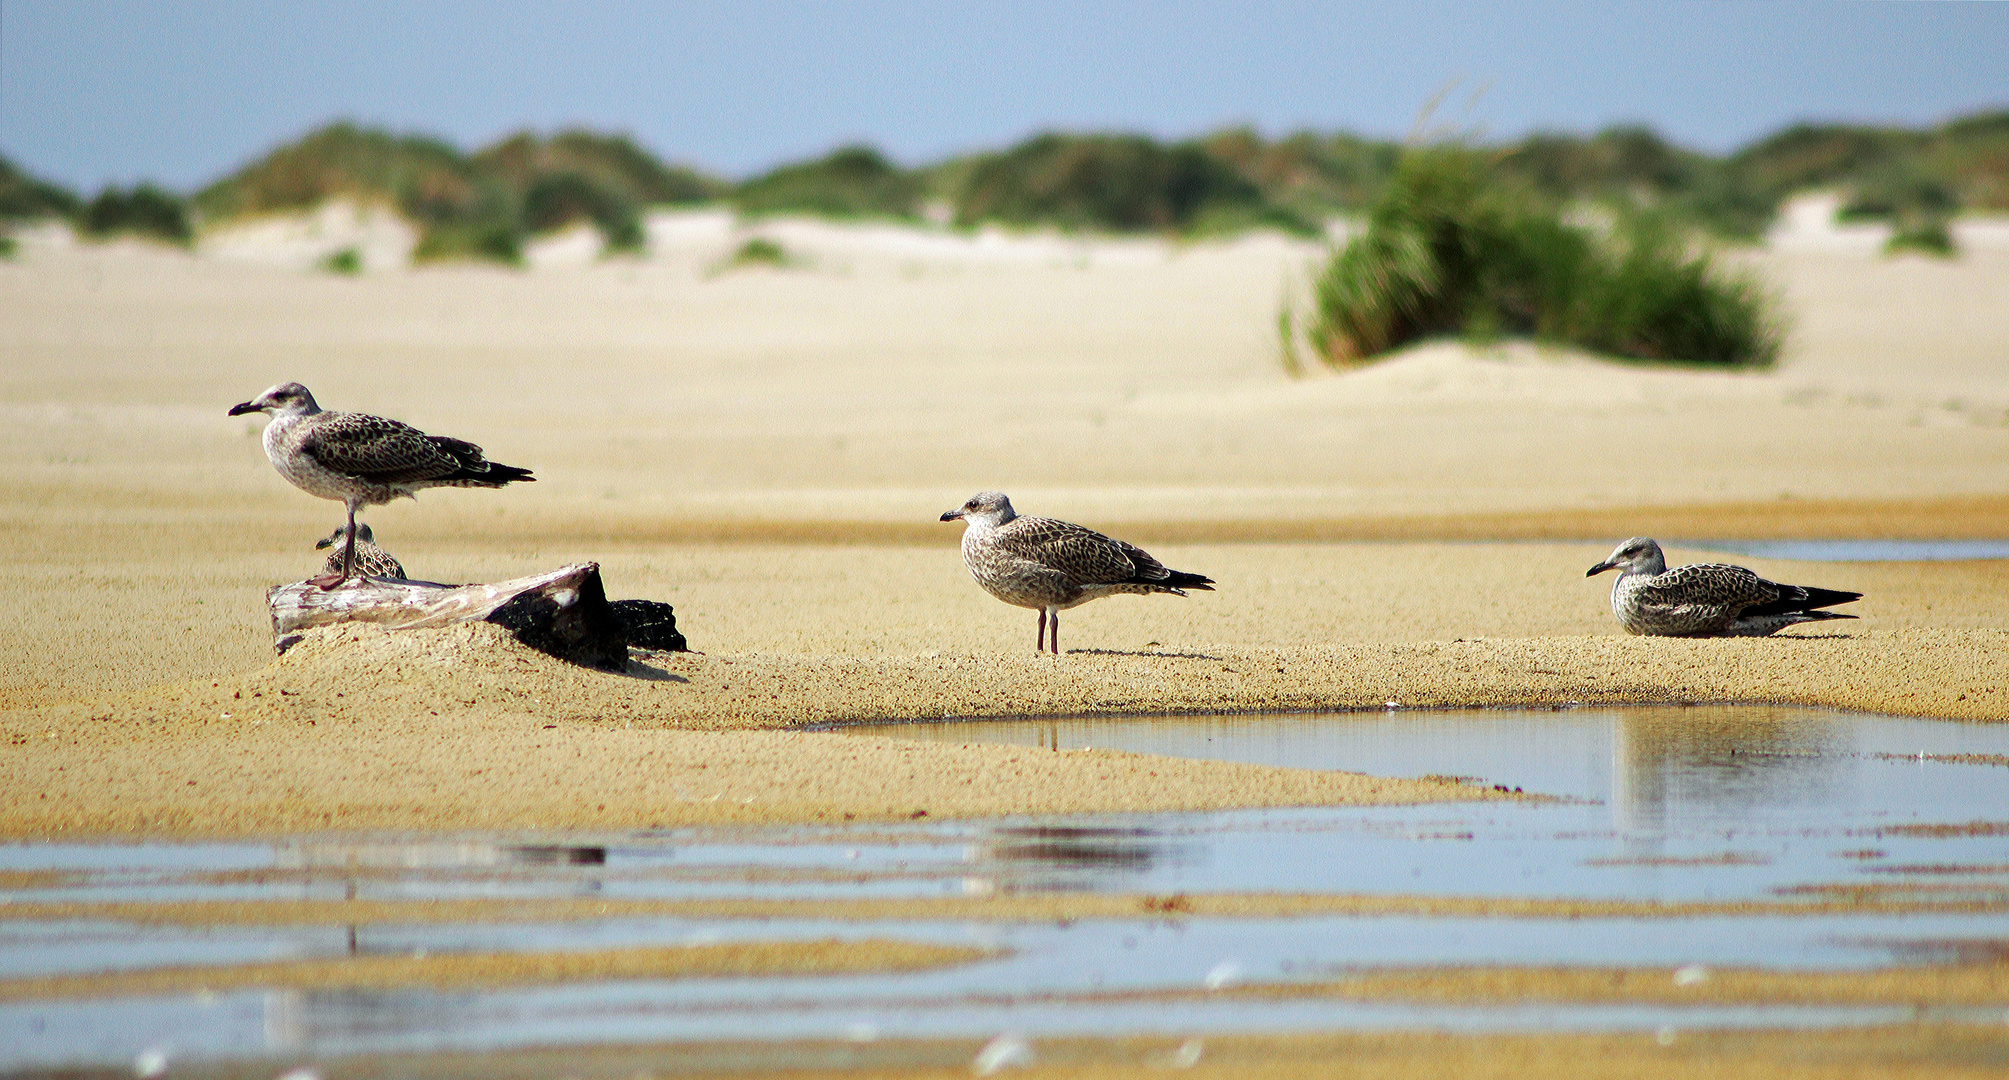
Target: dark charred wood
(651,624)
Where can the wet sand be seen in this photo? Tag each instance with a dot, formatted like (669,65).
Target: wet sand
(1917,1049)
(476,971)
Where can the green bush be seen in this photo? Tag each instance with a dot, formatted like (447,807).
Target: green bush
(144,211)
(22,197)
(850,182)
(1925,236)
(1632,169)
(492,241)
(426,179)
(756,251)
(612,163)
(1115,182)
(1455,247)
(477,206)
(556,200)
(347,262)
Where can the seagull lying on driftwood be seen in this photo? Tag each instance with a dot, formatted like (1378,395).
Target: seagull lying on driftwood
(1049,565)
(372,560)
(363,460)
(1706,599)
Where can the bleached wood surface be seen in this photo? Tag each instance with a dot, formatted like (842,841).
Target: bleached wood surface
(565,611)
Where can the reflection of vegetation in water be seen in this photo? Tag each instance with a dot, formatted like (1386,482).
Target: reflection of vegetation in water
(1455,246)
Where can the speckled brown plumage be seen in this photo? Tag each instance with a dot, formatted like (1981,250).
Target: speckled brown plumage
(363,460)
(1707,599)
(370,559)
(1050,566)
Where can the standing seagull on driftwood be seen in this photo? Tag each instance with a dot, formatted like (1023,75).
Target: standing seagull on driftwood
(1706,599)
(363,460)
(1049,565)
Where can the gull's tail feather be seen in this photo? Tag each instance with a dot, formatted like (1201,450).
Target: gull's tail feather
(1180,579)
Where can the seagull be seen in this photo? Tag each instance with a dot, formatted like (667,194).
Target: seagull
(372,560)
(363,460)
(1706,599)
(1050,566)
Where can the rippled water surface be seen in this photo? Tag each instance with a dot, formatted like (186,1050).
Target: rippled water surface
(1663,804)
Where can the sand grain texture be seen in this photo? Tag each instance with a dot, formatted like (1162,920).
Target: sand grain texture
(768,451)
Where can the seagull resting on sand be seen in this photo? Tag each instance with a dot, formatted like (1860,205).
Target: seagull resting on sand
(363,460)
(1706,599)
(1050,566)
(372,560)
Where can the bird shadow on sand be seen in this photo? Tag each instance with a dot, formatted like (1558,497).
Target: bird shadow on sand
(651,673)
(1143,652)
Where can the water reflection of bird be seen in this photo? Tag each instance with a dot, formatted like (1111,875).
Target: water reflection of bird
(370,559)
(1706,599)
(363,460)
(1050,566)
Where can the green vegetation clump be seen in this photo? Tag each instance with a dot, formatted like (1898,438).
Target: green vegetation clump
(1632,169)
(145,211)
(849,182)
(1305,178)
(488,204)
(1916,180)
(24,198)
(1114,182)
(348,262)
(479,206)
(1455,247)
(756,251)
(579,176)
(1924,238)
(488,241)
(460,213)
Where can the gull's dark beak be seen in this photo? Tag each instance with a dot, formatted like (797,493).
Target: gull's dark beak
(1599,569)
(244,407)
(326,541)
(952,515)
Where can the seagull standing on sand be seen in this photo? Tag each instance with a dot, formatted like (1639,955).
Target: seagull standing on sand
(372,560)
(1050,566)
(1706,599)
(363,460)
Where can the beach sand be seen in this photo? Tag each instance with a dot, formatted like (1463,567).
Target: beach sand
(769,451)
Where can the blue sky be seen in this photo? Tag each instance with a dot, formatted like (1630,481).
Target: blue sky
(100,90)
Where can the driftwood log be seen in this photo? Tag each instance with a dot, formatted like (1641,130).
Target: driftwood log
(564,613)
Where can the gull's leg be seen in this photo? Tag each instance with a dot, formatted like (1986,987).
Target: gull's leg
(348,555)
(1053,631)
(1040,644)
(330,581)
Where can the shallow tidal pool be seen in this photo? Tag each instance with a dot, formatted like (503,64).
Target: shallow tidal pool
(1750,815)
